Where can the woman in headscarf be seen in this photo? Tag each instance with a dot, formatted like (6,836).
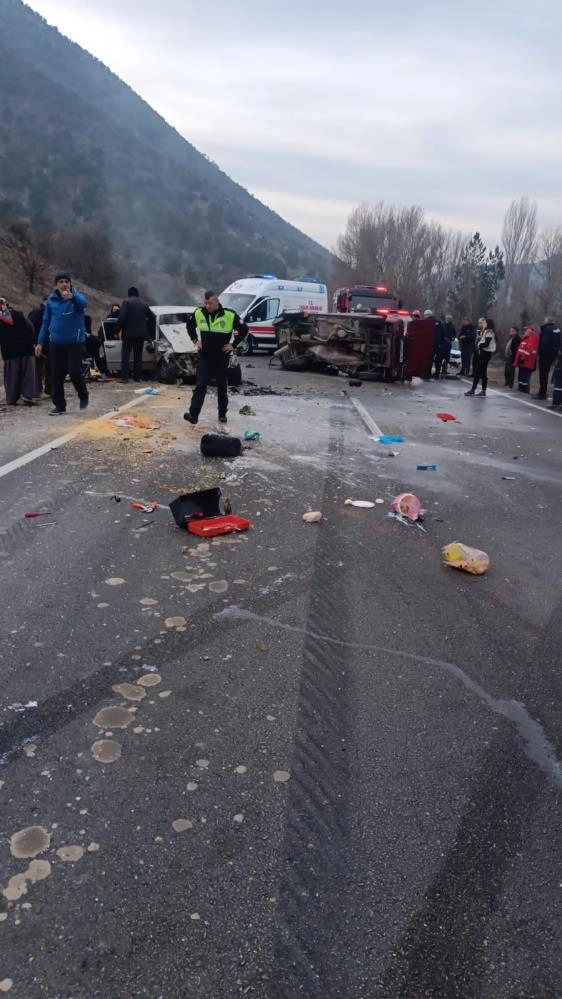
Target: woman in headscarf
(18,353)
(484,350)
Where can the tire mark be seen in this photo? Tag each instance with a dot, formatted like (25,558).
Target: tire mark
(308,959)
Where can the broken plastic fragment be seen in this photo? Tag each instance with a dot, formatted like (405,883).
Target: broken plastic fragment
(460,556)
(407,505)
(312,517)
(390,439)
(365,504)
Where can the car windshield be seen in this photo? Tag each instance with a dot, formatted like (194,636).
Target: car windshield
(173,318)
(368,303)
(239,303)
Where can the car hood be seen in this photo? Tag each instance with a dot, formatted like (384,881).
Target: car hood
(178,338)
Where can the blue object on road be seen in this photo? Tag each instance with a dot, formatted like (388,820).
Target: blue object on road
(426,468)
(391,439)
(252,435)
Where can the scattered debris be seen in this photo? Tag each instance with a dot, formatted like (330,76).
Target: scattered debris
(133,422)
(241,770)
(145,507)
(379,501)
(508,478)
(147,391)
(460,556)
(364,504)
(407,505)
(247,410)
(252,435)
(200,512)
(238,819)
(446,417)
(174,622)
(426,468)
(32,513)
(390,439)
(220,446)
(312,517)
(393,454)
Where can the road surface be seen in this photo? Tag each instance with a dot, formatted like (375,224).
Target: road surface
(332,764)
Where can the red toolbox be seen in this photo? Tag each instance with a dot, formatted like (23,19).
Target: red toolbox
(201,514)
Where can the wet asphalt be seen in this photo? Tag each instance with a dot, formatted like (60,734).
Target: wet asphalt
(343,779)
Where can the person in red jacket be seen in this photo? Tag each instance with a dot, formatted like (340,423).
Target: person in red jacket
(526,358)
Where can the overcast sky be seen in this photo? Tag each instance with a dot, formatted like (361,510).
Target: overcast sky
(316,107)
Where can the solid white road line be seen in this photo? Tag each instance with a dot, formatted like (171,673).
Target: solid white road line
(522,402)
(367,419)
(25,459)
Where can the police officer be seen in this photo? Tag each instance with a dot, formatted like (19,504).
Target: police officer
(211,328)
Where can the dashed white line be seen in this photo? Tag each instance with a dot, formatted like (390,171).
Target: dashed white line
(367,419)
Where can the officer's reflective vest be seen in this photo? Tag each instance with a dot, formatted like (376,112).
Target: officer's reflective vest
(215,323)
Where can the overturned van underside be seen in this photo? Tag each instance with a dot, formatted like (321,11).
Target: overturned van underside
(360,345)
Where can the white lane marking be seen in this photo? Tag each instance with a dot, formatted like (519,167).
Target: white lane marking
(367,419)
(522,402)
(25,459)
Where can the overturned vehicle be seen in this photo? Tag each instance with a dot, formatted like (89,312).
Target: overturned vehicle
(169,355)
(364,346)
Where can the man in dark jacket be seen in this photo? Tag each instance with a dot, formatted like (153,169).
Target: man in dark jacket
(136,323)
(549,347)
(467,339)
(211,328)
(64,331)
(43,370)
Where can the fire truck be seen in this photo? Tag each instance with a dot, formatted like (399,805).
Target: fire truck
(374,299)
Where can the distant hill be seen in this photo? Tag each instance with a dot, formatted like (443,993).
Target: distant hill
(80,148)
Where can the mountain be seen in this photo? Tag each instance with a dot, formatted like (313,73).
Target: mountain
(81,151)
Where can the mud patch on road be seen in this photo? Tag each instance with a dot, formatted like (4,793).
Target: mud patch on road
(130,691)
(113,717)
(106,751)
(29,842)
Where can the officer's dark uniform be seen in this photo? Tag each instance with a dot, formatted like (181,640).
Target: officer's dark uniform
(214,330)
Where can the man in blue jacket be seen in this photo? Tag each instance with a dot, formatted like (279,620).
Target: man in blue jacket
(64,330)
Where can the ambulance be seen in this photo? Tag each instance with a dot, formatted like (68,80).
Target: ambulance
(261,298)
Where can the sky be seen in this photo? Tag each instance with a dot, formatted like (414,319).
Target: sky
(316,107)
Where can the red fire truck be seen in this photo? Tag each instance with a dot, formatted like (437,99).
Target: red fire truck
(374,299)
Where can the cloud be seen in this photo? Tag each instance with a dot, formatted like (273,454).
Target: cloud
(316,108)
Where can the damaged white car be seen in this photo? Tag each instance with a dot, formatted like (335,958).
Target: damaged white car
(171,355)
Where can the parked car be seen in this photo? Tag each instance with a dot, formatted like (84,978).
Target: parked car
(455,359)
(171,355)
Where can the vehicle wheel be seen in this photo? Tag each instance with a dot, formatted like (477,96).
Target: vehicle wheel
(246,348)
(167,372)
(234,375)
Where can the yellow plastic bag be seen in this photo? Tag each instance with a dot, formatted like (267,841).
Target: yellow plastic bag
(460,556)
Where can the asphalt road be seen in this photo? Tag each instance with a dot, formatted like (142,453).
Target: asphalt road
(344,780)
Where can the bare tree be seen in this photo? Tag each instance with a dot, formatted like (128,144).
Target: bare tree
(547,297)
(520,244)
(22,243)
(413,256)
